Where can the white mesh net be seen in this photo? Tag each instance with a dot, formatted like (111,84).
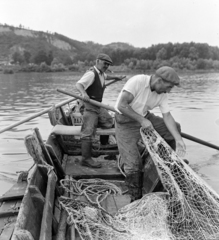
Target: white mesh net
(188,210)
(192,205)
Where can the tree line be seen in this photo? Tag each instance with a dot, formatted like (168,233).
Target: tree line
(189,56)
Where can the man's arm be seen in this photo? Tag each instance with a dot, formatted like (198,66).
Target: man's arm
(171,125)
(125,108)
(86,80)
(81,89)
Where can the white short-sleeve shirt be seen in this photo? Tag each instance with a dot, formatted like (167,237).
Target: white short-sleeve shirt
(88,78)
(144,99)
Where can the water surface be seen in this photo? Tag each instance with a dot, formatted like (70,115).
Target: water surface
(195,106)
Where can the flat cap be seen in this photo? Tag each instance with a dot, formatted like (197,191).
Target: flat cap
(168,74)
(105,57)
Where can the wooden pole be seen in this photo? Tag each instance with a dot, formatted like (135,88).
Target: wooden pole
(108,107)
(98,104)
(109,83)
(197,140)
(36,115)
(43,112)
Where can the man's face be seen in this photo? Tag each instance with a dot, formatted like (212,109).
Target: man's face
(102,65)
(163,86)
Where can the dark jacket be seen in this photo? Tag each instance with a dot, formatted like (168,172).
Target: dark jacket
(95,91)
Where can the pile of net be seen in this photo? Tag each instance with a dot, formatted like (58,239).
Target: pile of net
(142,219)
(187,210)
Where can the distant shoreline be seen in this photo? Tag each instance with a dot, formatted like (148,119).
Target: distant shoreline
(11,69)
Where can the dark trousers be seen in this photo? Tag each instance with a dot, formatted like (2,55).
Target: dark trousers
(128,135)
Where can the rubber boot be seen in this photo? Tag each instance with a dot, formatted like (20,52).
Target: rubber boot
(86,147)
(104,139)
(134,184)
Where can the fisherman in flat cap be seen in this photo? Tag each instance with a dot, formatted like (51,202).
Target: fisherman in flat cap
(91,86)
(140,94)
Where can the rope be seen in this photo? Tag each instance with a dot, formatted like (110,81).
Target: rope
(187,210)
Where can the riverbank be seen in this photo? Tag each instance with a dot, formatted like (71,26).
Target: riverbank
(76,68)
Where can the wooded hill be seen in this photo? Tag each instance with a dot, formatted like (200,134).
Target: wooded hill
(24,46)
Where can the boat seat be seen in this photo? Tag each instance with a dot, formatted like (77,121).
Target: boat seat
(76,130)
(69,140)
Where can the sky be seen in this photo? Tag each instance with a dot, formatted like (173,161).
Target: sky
(140,23)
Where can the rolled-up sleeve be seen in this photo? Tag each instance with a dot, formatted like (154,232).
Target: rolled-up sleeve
(87,79)
(164,106)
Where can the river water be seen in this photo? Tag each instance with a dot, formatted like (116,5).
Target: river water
(195,106)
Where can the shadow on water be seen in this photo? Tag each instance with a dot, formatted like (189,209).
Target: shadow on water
(195,105)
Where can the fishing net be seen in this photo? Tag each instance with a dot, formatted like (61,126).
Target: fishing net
(142,219)
(193,207)
(187,210)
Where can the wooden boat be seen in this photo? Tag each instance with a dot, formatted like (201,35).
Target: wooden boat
(36,213)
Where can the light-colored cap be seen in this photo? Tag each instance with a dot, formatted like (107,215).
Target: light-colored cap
(105,57)
(168,74)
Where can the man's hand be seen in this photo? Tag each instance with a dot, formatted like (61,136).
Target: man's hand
(86,98)
(146,123)
(180,148)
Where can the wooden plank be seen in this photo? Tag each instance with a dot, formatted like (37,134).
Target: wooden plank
(46,225)
(51,140)
(76,130)
(109,169)
(150,177)
(72,227)
(44,150)
(9,213)
(63,218)
(54,115)
(13,197)
(39,178)
(55,160)
(2,224)
(39,153)
(15,192)
(34,208)
(9,208)
(8,216)
(34,149)
(5,221)
(57,210)
(31,209)
(8,229)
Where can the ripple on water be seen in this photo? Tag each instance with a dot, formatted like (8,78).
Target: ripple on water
(31,93)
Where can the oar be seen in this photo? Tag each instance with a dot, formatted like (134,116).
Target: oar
(197,140)
(43,112)
(36,115)
(184,135)
(109,83)
(98,104)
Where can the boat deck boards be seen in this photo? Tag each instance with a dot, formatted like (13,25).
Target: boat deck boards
(9,207)
(109,169)
(8,220)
